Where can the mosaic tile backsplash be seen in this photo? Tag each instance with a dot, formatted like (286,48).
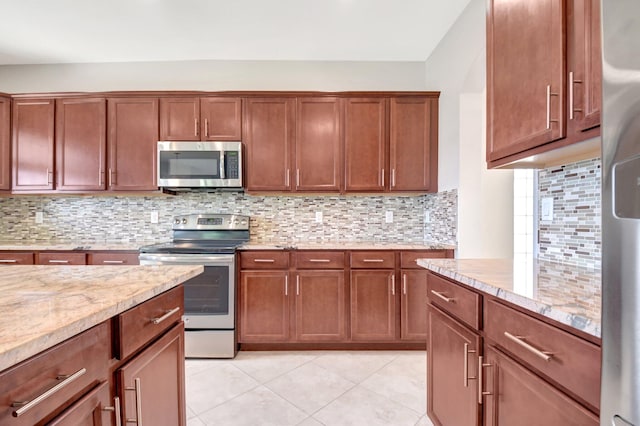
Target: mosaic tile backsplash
(277,219)
(574,235)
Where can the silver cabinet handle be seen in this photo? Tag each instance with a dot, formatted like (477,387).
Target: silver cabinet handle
(382,177)
(570,95)
(373,260)
(442,296)
(549,94)
(320,260)
(465,367)
(27,405)
(393,285)
(100,176)
(113,262)
(393,177)
(116,410)
(297,178)
(264,260)
(520,341)
(404,284)
(286,285)
(195,126)
(297,285)
(286,178)
(58,261)
(481,365)
(8,261)
(49,176)
(112,177)
(206,127)
(165,316)
(137,387)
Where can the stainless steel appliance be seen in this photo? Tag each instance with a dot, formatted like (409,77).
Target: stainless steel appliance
(620,400)
(204,164)
(209,306)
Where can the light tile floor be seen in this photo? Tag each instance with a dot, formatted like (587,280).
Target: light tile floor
(309,388)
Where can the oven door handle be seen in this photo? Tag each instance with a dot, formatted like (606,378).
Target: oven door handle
(188,260)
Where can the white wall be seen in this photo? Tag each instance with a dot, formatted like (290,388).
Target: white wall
(485,197)
(215,75)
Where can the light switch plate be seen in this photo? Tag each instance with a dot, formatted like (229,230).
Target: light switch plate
(388,216)
(318,217)
(153,217)
(546,209)
(39,217)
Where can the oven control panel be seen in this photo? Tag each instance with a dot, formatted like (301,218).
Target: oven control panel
(211,221)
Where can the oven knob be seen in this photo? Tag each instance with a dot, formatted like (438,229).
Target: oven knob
(177,221)
(184,221)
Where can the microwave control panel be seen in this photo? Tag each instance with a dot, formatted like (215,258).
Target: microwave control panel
(232,164)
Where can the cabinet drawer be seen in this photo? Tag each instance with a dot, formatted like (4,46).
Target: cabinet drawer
(320,259)
(572,362)
(264,260)
(458,301)
(408,258)
(373,259)
(113,258)
(74,366)
(141,324)
(61,258)
(12,258)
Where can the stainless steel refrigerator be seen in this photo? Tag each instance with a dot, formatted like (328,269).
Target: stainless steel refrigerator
(620,400)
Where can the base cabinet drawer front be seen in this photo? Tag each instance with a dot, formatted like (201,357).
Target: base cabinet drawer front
(113,258)
(413,302)
(373,259)
(518,397)
(264,259)
(320,259)
(51,381)
(463,304)
(408,258)
(61,258)
(263,305)
(148,320)
(16,258)
(320,306)
(373,305)
(94,409)
(151,385)
(452,370)
(566,359)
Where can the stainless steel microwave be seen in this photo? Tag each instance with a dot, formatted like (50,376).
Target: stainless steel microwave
(203,164)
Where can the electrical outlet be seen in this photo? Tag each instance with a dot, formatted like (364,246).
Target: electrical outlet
(388,216)
(546,209)
(318,217)
(427,217)
(39,217)
(154,217)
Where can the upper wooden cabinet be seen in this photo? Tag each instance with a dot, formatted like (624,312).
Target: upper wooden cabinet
(132,141)
(80,144)
(413,144)
(543,81)
(318,147)
(194,119)
(32,144)
(269,134)
(365,144)
(5,143)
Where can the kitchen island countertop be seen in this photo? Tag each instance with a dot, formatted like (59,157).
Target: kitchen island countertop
(42,306)
(568,294)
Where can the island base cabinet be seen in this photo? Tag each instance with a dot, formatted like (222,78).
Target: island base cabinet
(452,367)
(94,409)
(515,396)
(151,385)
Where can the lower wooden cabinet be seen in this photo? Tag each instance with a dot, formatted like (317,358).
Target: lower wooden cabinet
(452,371)
(264,306)
(516,396)
(61,258)
(16,258)
(94,409)
(147,384)
(373,305)
(320,306)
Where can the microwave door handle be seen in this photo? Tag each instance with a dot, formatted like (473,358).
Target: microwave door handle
(222,176)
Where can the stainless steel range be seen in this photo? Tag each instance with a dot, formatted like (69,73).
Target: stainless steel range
(209,306)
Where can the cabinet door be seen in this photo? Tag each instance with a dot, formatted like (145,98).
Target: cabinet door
(518,397)
(452,351)
(264,306)
(93,409)
(81,144)
(413,144)
(365,141)
(373,305)
(132,144)
(413,305)
(221,119)
(180,119)
(525,75)
(5,143)
(320,306)
(318,145)
(585,64)
(151,385)
(32,144)
(269,135)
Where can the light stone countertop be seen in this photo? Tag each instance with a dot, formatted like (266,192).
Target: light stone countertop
(568,294)
(72,245)
(41,306)
(347,245)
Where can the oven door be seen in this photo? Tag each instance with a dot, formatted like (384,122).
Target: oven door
(209,298)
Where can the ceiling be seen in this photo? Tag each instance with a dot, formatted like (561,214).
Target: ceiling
(77,31)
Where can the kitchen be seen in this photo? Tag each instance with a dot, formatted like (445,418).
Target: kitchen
(470,209)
